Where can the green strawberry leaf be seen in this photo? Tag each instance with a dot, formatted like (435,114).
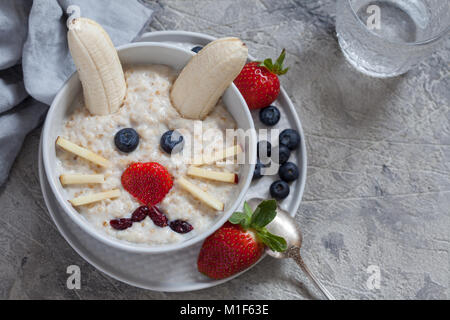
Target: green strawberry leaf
(247,209)
(274,242)
(250,222)
(242,218)
(277,67)
(267,63)
(268,205)
(283,71)
(257,220)
(237,217)
(280,60)
(264,214)
(248,215)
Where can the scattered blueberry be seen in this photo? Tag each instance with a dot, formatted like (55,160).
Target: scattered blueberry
(158,217)
(283,154)
(140,214)
(288,172)
(196,49)
(269,115)
(180,226)
(126,140)
(279,189)
(121,224)
(290,138)
(264,149)
(172,142)
(257,174)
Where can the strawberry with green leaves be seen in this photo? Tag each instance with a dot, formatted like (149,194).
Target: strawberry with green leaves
(240,242)
(258,81)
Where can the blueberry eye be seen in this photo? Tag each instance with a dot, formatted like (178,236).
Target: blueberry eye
(126,140)
(172,142)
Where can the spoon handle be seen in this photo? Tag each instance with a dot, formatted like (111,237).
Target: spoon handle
(294,253)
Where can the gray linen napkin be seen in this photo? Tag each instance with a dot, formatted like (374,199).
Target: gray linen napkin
(35,60)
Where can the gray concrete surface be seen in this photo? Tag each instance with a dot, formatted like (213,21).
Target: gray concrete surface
(378,187)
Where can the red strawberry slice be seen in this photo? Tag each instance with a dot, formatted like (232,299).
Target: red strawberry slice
(148,182)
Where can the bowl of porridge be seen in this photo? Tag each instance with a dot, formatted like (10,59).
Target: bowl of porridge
(225,138)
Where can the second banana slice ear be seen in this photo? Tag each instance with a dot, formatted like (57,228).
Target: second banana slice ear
(98,66)
(206,77)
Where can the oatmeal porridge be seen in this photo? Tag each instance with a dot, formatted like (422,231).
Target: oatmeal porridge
(148,110)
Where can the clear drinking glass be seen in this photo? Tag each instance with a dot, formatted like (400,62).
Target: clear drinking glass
(385,38)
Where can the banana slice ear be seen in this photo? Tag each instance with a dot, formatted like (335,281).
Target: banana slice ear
(206,77)
(98,66)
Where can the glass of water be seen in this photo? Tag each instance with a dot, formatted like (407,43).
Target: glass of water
(386,38)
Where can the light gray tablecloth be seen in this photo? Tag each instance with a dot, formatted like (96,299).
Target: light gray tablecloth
(35,60)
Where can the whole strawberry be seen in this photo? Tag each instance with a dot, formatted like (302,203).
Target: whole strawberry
(148,182)
(258,81)
(240,242)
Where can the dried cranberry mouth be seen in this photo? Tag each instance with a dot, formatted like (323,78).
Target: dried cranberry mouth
(158,218)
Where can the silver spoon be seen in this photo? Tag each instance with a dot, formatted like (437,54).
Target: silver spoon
(284,226)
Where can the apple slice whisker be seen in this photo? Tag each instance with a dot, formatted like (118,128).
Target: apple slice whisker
(67,179)
(82,152)
(197,172)
(94,197)
(200,194)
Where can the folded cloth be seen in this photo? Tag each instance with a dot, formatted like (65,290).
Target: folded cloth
(35,60)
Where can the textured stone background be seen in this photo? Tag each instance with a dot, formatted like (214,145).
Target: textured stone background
(378,187)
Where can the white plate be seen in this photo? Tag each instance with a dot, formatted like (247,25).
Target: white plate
(175,271)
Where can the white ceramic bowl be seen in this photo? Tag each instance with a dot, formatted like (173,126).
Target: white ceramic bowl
(144,53)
